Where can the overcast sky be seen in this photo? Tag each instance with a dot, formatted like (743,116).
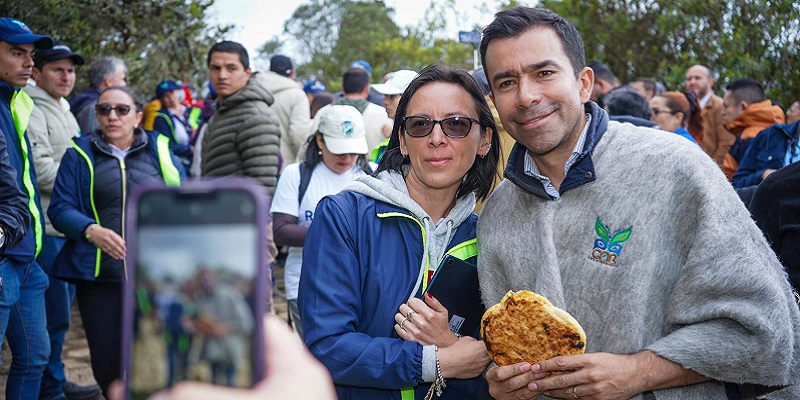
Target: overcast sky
(257,20)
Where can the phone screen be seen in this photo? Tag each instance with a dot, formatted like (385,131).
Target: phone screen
(197,296)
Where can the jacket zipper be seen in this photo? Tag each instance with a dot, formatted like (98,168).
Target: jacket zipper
(124,172)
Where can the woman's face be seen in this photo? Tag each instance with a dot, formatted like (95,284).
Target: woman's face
(439,162)
(114,125)
(338,163)
(663,116)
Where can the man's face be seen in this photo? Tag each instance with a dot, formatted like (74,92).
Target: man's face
(731,107)
(390,102)
(639,86)
(57,78)
(171,99)
(538,98)
(16,63)
(698,81)
(227,74)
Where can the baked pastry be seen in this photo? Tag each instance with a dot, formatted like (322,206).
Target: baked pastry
(525,326)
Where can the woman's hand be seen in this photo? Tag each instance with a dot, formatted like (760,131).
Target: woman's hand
(424,322)
(466,358)
(106,240)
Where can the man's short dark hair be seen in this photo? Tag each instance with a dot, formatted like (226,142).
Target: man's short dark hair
(601,71)
(103,68)
(518,20)
(747,90)
(625,100)
(355,80)
(649,84)
(227,46)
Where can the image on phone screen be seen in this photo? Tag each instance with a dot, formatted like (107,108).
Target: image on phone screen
(196,290)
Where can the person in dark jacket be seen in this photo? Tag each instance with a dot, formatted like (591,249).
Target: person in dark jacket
(103,73)
(22,281)
(776,209)
(87,205)
(173,120)
(374,246)
(773,148)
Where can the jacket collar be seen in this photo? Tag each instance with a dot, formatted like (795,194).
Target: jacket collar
(581,173)
(7,91)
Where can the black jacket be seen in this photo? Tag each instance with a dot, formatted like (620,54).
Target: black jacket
(776,209)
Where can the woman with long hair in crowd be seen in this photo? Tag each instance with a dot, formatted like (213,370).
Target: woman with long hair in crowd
(372,249)
(334,156)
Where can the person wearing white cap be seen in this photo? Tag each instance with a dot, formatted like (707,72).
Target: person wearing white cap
(333,158)
(391,89)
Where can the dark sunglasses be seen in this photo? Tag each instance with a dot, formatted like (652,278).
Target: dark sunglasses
(454,127)
(105,109)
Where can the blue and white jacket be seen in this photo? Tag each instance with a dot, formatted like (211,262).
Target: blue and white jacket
(364,256)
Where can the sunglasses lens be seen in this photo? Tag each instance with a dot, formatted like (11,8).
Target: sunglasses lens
(418,126)
(456,127)
(122,110)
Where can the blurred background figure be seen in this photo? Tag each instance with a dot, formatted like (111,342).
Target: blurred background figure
(678,112)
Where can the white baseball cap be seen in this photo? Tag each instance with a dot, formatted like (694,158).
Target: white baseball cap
(397,84)
(342,127)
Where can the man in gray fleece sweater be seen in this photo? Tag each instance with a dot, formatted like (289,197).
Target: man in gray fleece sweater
(634,232)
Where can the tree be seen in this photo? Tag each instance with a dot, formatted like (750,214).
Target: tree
(157,39)
(334,33)
(662,38)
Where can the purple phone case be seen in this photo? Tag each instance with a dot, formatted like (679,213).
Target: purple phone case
(262,288)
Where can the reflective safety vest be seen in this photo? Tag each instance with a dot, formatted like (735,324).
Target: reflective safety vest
(21,109)
(168,171)
(463,251)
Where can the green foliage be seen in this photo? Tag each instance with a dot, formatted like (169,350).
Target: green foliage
(156,38)
(757,39)
(334,33)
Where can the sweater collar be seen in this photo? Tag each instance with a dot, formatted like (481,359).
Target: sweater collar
(581,172)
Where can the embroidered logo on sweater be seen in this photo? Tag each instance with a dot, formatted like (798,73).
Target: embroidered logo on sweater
(608,247)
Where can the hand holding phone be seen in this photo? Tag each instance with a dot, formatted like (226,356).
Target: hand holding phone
(197,290)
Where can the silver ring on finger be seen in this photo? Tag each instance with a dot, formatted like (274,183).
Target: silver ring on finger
(410,313)
(574,395)
(402,322)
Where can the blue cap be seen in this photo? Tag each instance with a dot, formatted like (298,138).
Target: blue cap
(16,32)
(167,86)
(362,64)
(314,87)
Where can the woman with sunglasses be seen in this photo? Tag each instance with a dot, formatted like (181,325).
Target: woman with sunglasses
(88,203)
(373,248)
(678,112)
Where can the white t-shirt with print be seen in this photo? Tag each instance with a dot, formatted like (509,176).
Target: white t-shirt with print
(323,182)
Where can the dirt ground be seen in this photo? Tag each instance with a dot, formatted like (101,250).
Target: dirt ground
(75,354)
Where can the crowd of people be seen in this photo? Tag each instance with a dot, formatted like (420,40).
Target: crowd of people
(654,241)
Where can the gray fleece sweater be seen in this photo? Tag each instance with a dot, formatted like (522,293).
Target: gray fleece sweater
(657,253)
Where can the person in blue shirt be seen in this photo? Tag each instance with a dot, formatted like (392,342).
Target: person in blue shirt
(678,112)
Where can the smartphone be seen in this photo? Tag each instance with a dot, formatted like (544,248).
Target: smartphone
(196,285)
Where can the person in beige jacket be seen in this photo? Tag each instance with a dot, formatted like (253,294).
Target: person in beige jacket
(291,104)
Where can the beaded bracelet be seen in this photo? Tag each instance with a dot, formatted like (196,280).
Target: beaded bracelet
(439,384)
